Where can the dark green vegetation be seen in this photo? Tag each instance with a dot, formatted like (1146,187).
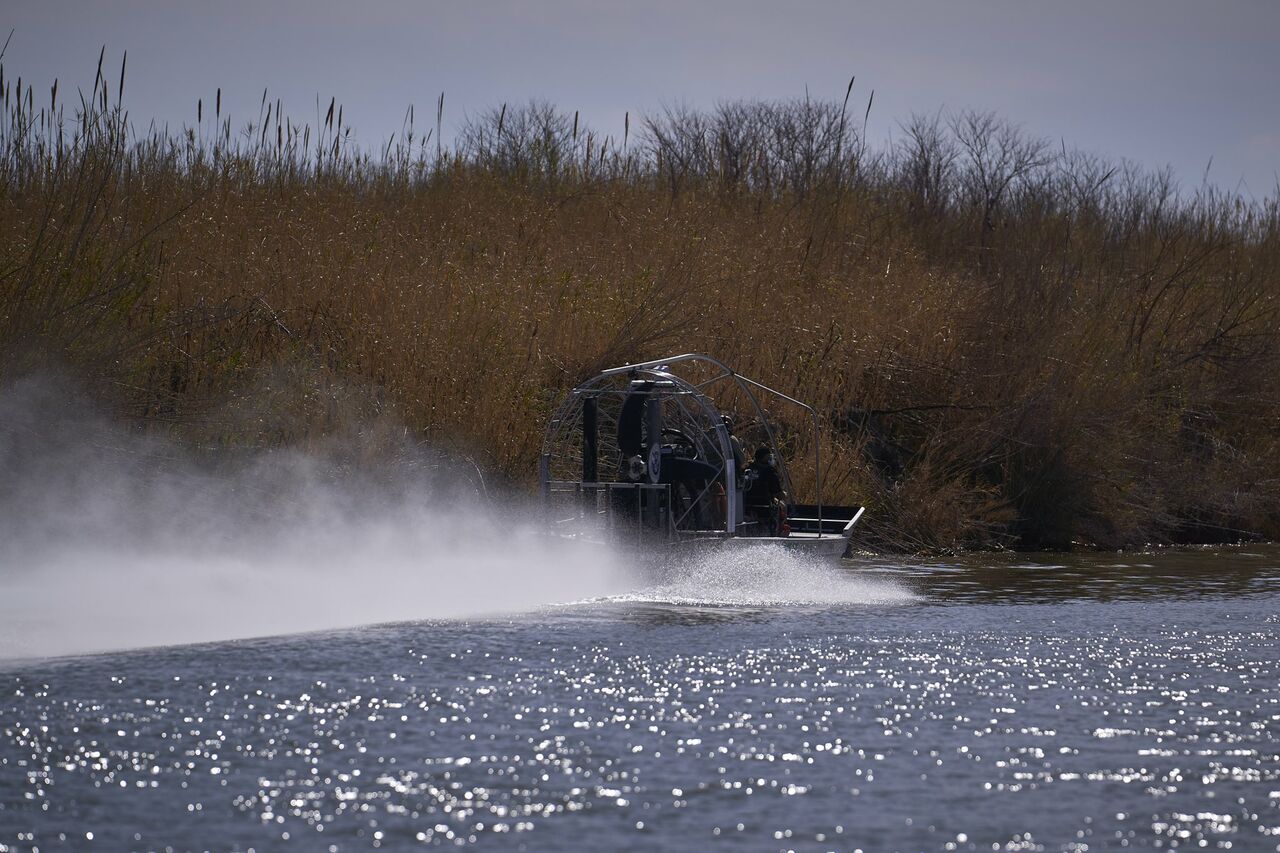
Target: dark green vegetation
(1011,344)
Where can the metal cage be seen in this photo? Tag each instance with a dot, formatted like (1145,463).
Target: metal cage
(644,450)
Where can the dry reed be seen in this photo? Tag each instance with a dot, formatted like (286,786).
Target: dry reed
(1009,345)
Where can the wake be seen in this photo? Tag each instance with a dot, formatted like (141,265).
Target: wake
(765,576)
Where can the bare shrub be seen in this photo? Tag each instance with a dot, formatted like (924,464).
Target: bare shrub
(1010,346)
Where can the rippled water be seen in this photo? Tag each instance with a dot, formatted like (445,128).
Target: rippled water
(757,702)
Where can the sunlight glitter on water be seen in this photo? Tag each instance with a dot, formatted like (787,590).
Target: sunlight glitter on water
(904,725)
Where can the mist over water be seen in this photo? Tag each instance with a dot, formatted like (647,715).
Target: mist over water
(111,539)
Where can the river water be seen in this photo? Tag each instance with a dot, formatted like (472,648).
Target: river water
(995,703)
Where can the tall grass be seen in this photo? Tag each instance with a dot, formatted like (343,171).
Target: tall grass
(1010,344)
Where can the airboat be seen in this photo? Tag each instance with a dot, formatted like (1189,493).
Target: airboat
(677,453)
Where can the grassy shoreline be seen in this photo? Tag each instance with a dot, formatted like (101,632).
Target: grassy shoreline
(1010,345)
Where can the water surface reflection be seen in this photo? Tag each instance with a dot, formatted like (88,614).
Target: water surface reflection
(994,703)
(1176,574)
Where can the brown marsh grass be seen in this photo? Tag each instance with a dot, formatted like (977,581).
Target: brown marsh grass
(1010,345)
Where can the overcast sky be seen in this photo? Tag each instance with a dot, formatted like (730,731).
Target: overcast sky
(1161,82)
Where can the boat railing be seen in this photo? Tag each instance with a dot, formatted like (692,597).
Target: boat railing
(620,510)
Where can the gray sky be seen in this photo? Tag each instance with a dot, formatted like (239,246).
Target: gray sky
(1156,81)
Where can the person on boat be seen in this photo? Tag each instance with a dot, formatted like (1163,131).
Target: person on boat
(765,498)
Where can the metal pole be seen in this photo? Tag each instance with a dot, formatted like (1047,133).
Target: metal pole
(817,468)
(731,496)
(590,439)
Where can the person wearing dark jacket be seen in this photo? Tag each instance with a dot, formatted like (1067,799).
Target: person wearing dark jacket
(765,497)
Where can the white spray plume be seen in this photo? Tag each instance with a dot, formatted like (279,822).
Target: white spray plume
(112,540)
(766,575)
